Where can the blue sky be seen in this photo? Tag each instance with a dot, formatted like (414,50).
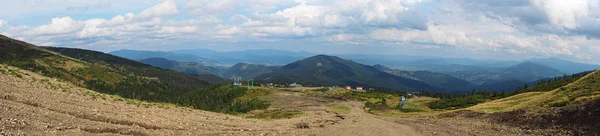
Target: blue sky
(505,30)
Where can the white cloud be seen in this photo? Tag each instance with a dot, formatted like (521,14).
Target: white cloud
(562,12)
(229,31)
(2,23)
(238,17)
(167,8)
(533,27)
(62,25)
(92,29)
(175,30)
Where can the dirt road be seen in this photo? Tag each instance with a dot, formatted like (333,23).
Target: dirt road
(32,105)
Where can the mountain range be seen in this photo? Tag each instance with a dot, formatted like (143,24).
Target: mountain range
(434,79)
(272,57)
(247,71)
(323,70)
(448,73)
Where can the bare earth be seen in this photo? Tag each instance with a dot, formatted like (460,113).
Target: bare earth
(31,107)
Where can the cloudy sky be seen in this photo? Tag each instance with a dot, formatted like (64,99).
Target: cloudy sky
(499,29)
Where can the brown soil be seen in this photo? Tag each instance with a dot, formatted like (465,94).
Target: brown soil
(579,119)
(29,106)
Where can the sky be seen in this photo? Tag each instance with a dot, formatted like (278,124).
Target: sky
(478,29)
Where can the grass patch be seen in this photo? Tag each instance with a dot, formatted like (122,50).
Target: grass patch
(587,88)
(287,114)
(340,108)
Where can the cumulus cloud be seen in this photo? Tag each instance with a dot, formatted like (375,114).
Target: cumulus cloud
(62,25)
(563,13)
(183,29)
(527,27)
(167,8)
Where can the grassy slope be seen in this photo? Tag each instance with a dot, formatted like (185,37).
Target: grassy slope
(113,75)
(584,89)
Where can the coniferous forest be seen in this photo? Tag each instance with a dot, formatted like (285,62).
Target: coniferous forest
(127,78)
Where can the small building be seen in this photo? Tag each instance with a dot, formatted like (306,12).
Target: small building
(295,85)
(348,87)
(371,89)
(359,88)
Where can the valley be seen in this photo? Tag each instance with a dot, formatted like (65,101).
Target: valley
(300,68)
(36,105)
(67,91)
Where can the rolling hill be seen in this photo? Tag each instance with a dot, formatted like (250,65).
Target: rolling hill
(526,72)
(529,71)
(329,70)
(114,75)
(584,89)
(247,71)
(267,57)
(434,79)
(139,55)
(564,65)
(185,67)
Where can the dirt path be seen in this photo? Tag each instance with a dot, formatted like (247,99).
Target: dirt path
(32,105)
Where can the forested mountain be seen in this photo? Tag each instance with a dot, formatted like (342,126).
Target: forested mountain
(139,55)
(267,57)
(564,65)
(526,72)
(247,71)
(214,58)
(329,70)
(185,67)
(119,76)
(434,79)
(502,85)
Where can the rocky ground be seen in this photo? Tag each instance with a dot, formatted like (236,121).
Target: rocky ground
(34,105)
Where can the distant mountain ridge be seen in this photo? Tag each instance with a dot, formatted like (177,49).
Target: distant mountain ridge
(330,70)
(139,55)
(191,68)
(247,71)
(271,57)
(564,65)
(434,79)
(526,72)
(186,67)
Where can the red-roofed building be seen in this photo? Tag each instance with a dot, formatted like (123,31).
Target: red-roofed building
(348,87)
(359,88)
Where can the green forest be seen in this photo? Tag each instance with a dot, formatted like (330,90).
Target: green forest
(127,78)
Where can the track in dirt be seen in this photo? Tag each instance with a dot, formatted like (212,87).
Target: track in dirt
(31,107)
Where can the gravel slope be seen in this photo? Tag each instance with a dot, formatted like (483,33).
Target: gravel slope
(31,105)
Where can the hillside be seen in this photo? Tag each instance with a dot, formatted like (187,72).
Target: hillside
(185,67)
(329,70)
(529,71)
(139,55)
(526,72)
(36,105)
(267,57)
(118,76)
(565,65)
(247,71)
(434,79)
(507,85)
(585,88)
(191,68)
